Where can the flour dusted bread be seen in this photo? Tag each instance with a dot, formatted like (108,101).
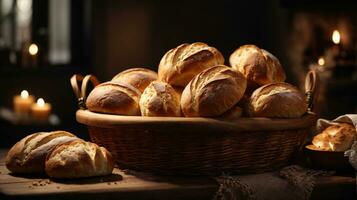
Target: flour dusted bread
(140,78)
(277,100)
(179,65)
(258,66)
(79,159)
(160,99)
(212,92)
(114,98)
(29,154)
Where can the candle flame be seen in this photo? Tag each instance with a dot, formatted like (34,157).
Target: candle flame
(33,49)
(24,94)
(336,37)
(321,61)
(40,102)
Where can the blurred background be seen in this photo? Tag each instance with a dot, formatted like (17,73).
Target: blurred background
(44,42)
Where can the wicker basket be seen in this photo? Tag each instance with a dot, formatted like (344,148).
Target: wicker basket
(197,146)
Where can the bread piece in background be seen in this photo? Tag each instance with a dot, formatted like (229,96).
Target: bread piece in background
(160,99)
(213,92)
(29,154)
(179,65)
(277,100)
(79,159)
(257,65)
(140,78)
(114,98)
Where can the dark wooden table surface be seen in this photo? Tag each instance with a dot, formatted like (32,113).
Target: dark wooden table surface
(122,185)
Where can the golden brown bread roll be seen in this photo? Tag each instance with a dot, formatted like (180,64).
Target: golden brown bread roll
(77,159)
(160,99)
(140,78)
(321,141)
(179,65)
(29,154)
(212,92)
(280,100)
(258,66)
(114,98)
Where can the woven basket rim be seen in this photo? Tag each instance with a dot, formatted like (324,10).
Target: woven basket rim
(244,124)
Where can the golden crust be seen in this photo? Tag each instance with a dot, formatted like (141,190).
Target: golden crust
(277,100)
(212,92)
(114,98)
(160,99)
(179,65)
(140,78)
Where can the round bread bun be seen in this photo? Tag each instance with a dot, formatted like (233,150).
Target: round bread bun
(179,65)
(160,99)
(114,98)
(257,65)
(212,92)
(140,78)
(277,100)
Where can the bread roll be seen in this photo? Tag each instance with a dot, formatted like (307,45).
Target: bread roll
(257,65)
(321,142)
(29,154)
(341,136)
(181,64)
(160,99)
(212,92)
(78,159)
(140,78)
(114,98)
(280,100)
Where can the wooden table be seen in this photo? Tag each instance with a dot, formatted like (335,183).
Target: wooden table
(126,186)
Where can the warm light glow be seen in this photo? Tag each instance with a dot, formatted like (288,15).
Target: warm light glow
(331,146)
(40,102)
(336,37)
(321,61)
(24,94)
(33,49)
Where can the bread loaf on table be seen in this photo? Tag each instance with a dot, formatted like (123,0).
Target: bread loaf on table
(29,154)
(179,65)
(77,159)
(114,98)
(213,92)
(140,78)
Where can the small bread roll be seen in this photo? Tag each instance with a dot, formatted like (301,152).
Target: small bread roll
(79,159)
(280,100)
(341,136)
(160,99)
(321,141)
(257,65)
(29,154)
(114,98)
(212,92)
(181,64)
(140,78)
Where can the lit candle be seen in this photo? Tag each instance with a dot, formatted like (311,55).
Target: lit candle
(41,110)
(23,102)
(33,50)
(336,37)
(321,61)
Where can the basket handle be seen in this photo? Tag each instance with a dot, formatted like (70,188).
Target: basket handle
(311,89)
(81,92)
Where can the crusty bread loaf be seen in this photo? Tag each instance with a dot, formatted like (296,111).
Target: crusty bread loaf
(29,154)
(114,98)
(160,99)
(179,65)
(277,100)
(78,159)
(258,66)
(212,92)
(140,78)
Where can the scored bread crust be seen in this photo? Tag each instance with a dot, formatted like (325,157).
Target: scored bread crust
(140,78)
(277,100)
(114,98)
(77,159)
(160,99)
(212,92)
(29,154)
(179,65)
